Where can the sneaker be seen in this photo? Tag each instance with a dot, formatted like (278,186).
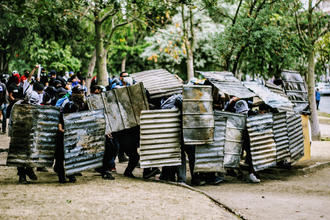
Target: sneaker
(253,179)
(30,173)
(122,158)
(151,173)
(114,170)
(22,179)
(107,176)
(130,175)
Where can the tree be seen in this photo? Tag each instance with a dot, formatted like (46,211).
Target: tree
(312,24)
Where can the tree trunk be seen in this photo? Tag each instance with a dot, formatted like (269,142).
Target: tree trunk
(123,64)
(311,96)
(3,63)
(91,67)
(101,55)
(188,44)
(190,64)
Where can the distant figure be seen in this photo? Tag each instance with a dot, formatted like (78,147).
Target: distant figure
(317,98)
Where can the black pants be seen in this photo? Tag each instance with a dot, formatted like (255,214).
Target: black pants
(247,148)
(129,142)
(317,104)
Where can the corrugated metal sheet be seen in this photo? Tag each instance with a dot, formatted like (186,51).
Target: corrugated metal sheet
(263,148)
(272,99)
(84,140)
(160,138)
(276,89)
(281,137)
(209,157)
(296,138)
(295,88)
(33,135)
(122,106)
(159,82)
(227,83)
(197,114)
(236,124)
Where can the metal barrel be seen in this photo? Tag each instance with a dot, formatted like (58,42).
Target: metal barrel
(296,138)
(160,138)
(197,114)
(262,143)
(33,135)
(209,157)
(84,140)
(281,137)
(234,137)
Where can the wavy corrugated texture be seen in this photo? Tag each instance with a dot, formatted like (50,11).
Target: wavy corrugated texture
(227,83)
(33,135)
(197,114)
(84,140)
(263,148)
(235,126)
(159,82)
(296,138)
(122,106)
(209,157)
(281,137)
(160,138)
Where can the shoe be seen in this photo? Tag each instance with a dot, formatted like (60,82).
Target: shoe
(197,182)
(130,175)
(72,179)
(22,179)
(151,173)
(114,170)
(107,176)
(30,173)
(122,158)
(253,179)
(42,169)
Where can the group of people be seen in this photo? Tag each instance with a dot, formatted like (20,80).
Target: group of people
(70,95)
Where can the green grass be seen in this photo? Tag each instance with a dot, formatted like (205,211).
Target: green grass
(323,114)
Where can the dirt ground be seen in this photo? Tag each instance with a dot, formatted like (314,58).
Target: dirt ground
(93,198)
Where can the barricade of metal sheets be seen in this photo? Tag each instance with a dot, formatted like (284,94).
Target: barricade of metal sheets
(226,83)
(159,82)
(84,140)
(235,126)
(263,148)
(296,138)
(272,99)
(209,157)
(160,138)
(122,106)
(197,114)
(295,88)
(281,137)
(276,89)
(33,135)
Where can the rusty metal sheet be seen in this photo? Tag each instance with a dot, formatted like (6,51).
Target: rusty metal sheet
(160,138)
(84,140)
(209,157)
(236,123)
(33,135)
(122,106)
(296,138)
(226,83)
(159,82)
(296,90)
(263,148)
(197,115)
(272,99)
(281,137)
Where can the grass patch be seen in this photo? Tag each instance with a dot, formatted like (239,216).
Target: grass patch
(325,138)
(323,114)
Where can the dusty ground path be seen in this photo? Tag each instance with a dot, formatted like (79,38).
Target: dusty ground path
(94,198)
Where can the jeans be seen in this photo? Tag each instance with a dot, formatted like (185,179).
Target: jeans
(3,109)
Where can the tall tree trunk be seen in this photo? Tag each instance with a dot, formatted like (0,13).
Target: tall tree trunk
(188,44)
(123,64)
(91,67)
(311,96)
(101,55)
(3,62)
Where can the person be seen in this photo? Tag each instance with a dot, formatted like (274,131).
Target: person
(317,98)
(3,106)
(75,103)
(15,92)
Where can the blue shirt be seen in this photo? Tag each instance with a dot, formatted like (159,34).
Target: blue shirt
(317,96)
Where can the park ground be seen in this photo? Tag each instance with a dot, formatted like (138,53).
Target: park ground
(300,193)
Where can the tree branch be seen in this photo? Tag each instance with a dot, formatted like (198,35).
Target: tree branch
(236,13)
(316,5)
(108,14)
